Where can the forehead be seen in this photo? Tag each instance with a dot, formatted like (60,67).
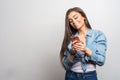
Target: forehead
(73,13)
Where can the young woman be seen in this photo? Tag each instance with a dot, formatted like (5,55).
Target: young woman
(83,47)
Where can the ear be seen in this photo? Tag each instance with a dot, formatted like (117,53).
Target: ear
(84,19)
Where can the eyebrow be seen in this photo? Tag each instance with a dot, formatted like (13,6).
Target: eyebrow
(74,15)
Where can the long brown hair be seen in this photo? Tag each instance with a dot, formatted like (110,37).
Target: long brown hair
(69,30)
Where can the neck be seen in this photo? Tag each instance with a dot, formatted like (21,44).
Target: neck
(83,30)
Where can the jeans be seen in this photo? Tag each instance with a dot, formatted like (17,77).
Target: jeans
(70,75)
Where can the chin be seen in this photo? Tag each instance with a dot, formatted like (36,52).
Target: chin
(78,28)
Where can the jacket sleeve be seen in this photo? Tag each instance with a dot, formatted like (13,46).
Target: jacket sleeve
(66,60)
(99,50)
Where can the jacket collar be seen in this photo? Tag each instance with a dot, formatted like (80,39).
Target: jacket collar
(89,33)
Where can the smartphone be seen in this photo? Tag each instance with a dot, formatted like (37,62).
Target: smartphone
(75,38)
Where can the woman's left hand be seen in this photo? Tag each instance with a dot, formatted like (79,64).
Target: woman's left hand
(79,46)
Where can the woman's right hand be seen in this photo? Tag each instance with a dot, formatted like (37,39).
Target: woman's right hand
(78,45)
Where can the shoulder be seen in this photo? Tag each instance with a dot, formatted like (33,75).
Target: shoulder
(94,33)
(99,35)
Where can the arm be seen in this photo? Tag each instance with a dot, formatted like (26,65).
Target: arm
(97,52)
(67,59)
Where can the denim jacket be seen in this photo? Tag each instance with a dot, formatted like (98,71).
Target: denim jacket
(96,42)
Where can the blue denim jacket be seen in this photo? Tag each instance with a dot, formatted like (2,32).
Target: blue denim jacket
(96,42)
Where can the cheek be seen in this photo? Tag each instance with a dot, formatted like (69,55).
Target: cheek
(71,24)
(82,21)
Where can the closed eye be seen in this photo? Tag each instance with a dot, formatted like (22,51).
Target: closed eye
(75,17)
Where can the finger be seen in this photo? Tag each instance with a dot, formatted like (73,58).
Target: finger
(74,42)
(76,46)
(80,44)
(79,49)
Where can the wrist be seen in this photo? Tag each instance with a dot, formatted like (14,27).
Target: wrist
(88,51)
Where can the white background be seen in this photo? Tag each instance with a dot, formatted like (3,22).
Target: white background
(31,34)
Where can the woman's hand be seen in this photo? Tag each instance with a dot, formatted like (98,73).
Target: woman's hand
(78,45)
(81,46)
